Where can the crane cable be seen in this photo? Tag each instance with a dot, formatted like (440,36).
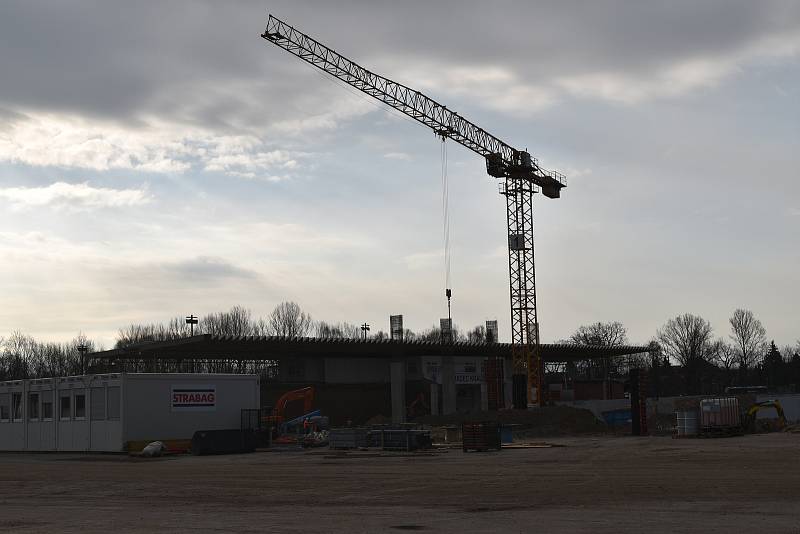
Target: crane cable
(446,222)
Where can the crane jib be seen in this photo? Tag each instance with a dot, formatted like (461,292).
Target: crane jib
(506,160)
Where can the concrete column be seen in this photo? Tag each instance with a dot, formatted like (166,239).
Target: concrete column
(87,384)
(448,372)
(56,411)
(123,420)
(398,377)
(508,383)
(24,407)
(435,399)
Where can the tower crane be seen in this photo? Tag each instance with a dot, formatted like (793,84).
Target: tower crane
(520,174)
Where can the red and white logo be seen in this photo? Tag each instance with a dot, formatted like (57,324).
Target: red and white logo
(194,398)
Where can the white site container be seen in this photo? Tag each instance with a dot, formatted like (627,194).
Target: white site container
(105,412)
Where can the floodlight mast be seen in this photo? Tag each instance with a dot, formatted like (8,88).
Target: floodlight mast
(521,175)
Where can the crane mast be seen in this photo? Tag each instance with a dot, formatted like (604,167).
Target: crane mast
(521,177)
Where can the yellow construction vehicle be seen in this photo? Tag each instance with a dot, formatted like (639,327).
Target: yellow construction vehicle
(750,423)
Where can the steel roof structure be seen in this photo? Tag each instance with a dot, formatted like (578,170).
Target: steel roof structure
(253,348)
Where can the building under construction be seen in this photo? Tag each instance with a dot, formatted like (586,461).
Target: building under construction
(357,379)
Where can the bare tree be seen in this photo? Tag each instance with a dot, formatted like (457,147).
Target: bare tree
(288,319)
(608,334)
(176,328)
(238,321)
(750,338)
(789,351)
(17,352)
(380,335)
(477,334)
(723,355)
(136,333)
(686,339)
(21,356)
(434,334)
(343,330)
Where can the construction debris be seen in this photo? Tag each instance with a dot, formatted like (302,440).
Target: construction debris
(154,449)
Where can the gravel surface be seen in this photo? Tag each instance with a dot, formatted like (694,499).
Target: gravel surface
(591,484)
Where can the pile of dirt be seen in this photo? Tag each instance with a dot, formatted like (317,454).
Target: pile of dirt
(536,422)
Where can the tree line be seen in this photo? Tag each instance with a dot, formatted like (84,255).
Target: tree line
(22,356)
(686,357)
(286,319)
(743,358)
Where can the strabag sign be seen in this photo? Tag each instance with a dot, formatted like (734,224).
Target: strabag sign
(194,398)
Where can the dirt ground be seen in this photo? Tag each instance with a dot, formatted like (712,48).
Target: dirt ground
(589,484)
(547,422)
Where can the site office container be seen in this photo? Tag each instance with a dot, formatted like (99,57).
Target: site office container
(106,412)
(720,412)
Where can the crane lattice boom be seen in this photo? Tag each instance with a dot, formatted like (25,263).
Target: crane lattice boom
(410,102)
(521,172)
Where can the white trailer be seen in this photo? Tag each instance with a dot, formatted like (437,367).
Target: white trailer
(105,412)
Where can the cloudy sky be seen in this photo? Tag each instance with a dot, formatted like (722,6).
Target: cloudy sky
(160,159)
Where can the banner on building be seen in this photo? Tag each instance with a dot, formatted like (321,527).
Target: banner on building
(194,398)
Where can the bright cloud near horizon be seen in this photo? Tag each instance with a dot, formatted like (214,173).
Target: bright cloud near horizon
(160,159)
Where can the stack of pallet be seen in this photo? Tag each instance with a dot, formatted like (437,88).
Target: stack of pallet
(481,436)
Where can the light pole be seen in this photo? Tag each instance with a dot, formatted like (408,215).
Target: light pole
(365,329)
(191,320)
(82,348)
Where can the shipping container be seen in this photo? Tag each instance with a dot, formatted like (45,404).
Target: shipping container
(720,413)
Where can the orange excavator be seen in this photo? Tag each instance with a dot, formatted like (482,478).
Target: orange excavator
(276,420)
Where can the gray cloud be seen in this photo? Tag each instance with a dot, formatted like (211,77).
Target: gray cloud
(207,269)
(203,62)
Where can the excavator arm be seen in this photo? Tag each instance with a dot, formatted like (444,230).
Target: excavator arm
(304,394)
(750,419)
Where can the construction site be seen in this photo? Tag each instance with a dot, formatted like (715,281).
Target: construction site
(275,433)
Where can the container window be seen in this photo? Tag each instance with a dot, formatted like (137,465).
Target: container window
(33,406)
(16,406)
(47,405)
(66,406)
(113,402)
(98,400)
(80,405)
(5,407)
